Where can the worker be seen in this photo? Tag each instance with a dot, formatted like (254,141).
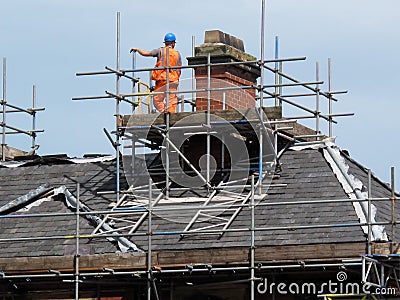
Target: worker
(160,76)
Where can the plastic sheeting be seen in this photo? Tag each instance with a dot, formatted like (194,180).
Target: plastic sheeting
(124,244)
(352,186)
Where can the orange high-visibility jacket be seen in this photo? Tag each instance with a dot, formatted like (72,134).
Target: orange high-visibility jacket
(174,59)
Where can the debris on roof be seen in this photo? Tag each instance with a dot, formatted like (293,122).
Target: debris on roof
(25,200)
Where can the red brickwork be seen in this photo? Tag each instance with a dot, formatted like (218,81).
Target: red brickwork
(234,99)
(222,49)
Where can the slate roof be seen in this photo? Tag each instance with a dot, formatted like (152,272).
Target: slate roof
(305,176)
(18,181)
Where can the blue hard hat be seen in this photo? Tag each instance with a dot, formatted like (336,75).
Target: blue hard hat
(169,37)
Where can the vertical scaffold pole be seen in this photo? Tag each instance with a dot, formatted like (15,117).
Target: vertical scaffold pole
(277,90)
(262,42)
(149,229)
(33,119)
(261,112)
(330,97)
(276,70)
(134,82)
(117,102)
(280,68)
(137,87)
(252,246)
(208,121)
(317,101)
(77,234)
(369,212)
(3,102)
(167,119)
(393,199)
(133,140)
(222,138)
(193,75)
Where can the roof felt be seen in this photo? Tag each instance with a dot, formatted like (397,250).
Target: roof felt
(305,176)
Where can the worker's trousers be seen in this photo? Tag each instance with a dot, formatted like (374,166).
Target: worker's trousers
(158,99)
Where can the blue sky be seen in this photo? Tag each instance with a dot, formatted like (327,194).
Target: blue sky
(47,41)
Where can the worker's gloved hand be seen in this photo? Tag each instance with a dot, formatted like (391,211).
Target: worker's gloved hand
(133,50)
(152,89)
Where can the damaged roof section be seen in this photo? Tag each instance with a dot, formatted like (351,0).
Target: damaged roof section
(50,228)
(95,175)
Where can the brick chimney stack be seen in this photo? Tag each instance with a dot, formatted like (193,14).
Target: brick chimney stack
(224,48)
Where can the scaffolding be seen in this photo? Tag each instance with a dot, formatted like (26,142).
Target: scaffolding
(377,270)
(8,108)
(218,200)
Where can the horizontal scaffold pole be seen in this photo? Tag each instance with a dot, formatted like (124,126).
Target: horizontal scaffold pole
(258,62)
